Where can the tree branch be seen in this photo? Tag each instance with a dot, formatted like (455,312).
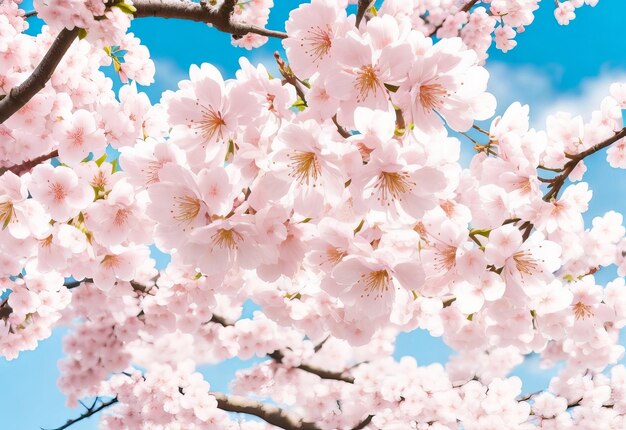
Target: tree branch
(466,8)
(278,356)
(187,10)
(21,94)
(89,412)
(363,423)
(558,181)
(24,167)
(200,13)
(268,413)
(362,7)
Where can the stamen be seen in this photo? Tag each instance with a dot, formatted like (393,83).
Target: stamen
(58,192)
(367,81)
(187,208)
(376,283)
(319,41)
(582,311)
(304,166)
(431,96)
(393,185)
(211,124)
(525,263)
(7,212)
(226,238)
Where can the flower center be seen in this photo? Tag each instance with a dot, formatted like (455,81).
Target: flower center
(77,137)
(226,238)
(211,124)
(525,263)
(581,310)
(376,283)
(393,185)
(304,166)
(120,217)
(446,258)
(110,261)
(187,208)
(7,212)
(319,41)
(58,192)
(366,82)
(334,255)
(431,96)
(151,172)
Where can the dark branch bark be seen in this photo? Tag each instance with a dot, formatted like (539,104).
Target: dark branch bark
(219,18)
(363,423)
(557,182)
(362,7)
(21,94)
(24,167)
(278,356)
(268,413)
(466,8)
(342,131)
(188,10)
(89,412)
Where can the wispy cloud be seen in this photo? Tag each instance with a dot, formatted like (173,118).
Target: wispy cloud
(168,74)
(538,88)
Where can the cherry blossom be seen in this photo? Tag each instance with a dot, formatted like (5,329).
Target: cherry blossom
(338,198)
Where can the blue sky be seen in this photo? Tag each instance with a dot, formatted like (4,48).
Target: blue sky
(552,67)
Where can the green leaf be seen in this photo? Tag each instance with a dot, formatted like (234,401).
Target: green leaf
(392,88)
(114,166)
(299,104)
(117,65)
(82,33)
(100,160)
(126,8)
(107,49)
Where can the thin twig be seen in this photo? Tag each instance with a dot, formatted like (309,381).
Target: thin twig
(559,181)
(26,166)
(89,412)
(342,131)
(465,8)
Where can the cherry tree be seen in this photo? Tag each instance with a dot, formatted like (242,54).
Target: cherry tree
(331,196)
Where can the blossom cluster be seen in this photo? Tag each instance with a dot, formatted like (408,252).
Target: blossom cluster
(334,199)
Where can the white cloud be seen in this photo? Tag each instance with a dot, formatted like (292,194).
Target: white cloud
(537,88)
(168,74)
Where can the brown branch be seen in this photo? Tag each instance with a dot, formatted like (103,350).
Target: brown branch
(278,356)
(558,181)
(363,423)
(268,413)
(289,76)
(342,131)
(362,7)
(89,412)
(21,94)
(188,10)
(219,18)
(24,167)
(466,8)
